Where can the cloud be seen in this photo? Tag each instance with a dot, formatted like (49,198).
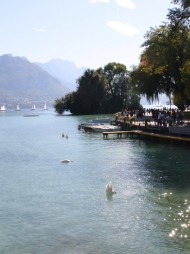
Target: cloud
(123,28)
(126,4)
(98,1)
(40,30)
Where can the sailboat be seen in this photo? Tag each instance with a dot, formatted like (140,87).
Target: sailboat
(45,106)
(3,108)
(34,107)
(17,108)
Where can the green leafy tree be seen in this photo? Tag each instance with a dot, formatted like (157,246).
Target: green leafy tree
(70,102)
(105,90)
(117,85)
(66,103)
(133,100)
(59,105)
(90,93)
(184,3)
(164,61)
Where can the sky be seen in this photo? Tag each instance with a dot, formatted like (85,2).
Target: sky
(89,33)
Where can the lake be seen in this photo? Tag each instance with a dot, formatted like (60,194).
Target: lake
(51,207)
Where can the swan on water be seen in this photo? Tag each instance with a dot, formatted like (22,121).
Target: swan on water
(109,190)
(66,161)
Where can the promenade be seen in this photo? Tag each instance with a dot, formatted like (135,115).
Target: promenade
(161,127)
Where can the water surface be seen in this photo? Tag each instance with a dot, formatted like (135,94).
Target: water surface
(51,207)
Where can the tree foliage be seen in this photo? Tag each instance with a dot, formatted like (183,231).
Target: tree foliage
(105,90)
(164,66)
(118,86)
(90,93)
(184,3)
(60,105)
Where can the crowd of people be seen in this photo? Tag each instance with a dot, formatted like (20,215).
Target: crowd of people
(162,117)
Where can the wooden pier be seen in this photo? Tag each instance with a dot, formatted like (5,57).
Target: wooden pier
(153,136)
(119,133)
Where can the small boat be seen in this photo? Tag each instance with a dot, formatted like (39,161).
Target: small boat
(66,161)
(33,115)
(101,128)
(17,108)
(3,108)
(34,107)
(99,125)
(45,107)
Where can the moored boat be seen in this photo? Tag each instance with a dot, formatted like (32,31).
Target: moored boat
(31,115)
(99,125)
(101,128)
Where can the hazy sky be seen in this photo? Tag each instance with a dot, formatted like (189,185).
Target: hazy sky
(90,33)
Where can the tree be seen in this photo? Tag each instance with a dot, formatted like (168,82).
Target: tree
(66,103)
(164,64)
(118,84)
(105,90)
(59,105)
(184,3)
(90,92)
(89,95)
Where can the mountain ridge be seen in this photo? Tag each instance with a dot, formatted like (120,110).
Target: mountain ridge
(24,82)
(64,70)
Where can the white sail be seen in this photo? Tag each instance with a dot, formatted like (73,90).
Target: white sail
(45,106)
(34,107)
(17,107)
(3,108)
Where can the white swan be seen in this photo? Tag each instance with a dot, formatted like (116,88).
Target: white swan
(66,161)
(109,191)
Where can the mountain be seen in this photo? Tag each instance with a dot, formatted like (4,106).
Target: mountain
(24,82)
(64,70)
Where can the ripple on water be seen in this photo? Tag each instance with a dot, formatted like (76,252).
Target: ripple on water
(177,216)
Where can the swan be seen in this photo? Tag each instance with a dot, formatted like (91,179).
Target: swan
(66,161)
(109,190)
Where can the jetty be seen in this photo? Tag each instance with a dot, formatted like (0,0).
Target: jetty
(148,135)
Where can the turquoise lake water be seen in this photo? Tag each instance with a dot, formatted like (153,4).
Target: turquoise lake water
(49,207)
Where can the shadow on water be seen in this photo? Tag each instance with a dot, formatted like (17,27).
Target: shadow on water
(168,165)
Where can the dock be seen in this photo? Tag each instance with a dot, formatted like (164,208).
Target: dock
(153,136)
